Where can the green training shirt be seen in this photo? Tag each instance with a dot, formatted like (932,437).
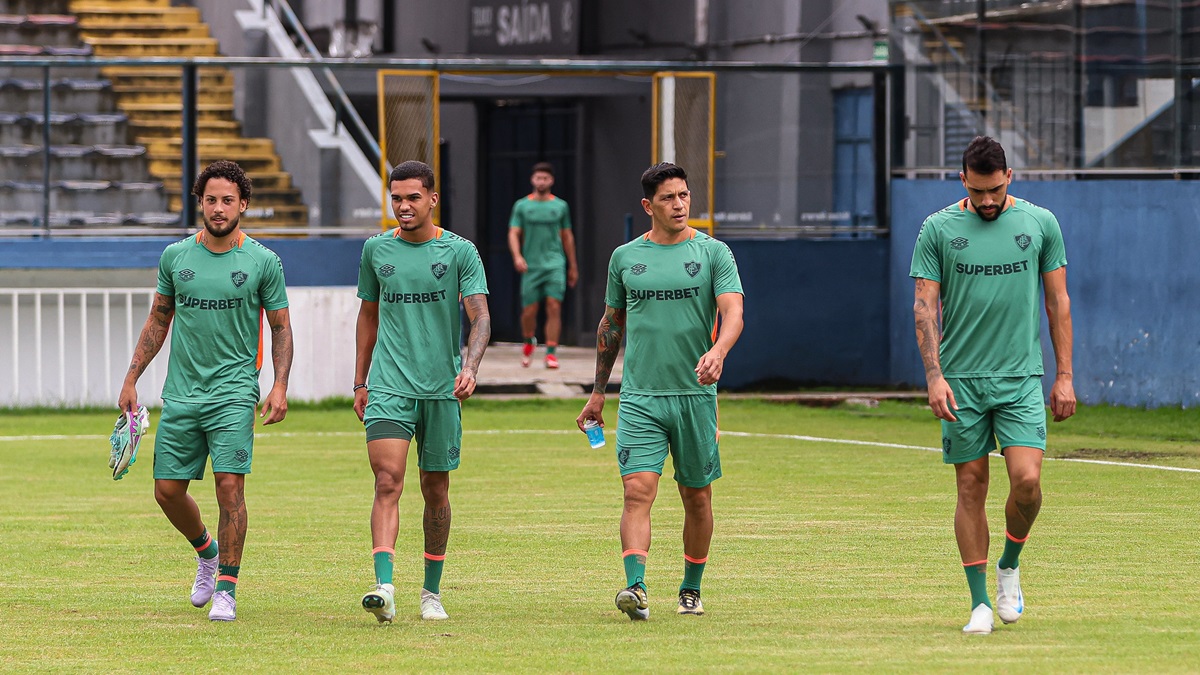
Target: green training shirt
(216,337)
(669,294)
(418,287)
(990,274)
(541,224)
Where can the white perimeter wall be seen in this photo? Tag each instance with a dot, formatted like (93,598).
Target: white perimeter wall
(72,346)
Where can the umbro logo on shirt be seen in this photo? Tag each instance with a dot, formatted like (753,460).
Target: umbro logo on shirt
(186,275)
(637,269)
(387,271)
(959,243)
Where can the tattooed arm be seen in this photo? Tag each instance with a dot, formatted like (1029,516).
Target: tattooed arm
(477,341)
(608,345)
(275,406)
(929,339)
(154,334)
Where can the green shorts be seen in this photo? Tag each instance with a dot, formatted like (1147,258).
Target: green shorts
(436,424)
(189,433)
(650,427)
(1008,409)
(538,284)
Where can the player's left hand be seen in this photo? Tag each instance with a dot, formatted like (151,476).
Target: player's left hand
(274,408)
(708,370)
(1062,398)
(572,277)
(464,384)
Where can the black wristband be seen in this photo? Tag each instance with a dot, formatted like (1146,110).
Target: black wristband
(359,386)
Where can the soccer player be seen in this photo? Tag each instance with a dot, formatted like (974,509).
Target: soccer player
(668,287)
(215,285)
(540,239)
(410,280)
(983,258)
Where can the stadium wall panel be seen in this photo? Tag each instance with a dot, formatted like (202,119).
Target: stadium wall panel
(816,313)
(1133,271)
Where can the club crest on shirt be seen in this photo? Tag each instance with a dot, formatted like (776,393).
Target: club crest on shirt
(239,277)
(959,243)
(387,271)
(186,275)
(637,269)
(1023,241)
(438,269)
(692,268)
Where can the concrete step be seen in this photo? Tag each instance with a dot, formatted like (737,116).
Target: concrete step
(145,130)
(160,112)
(259,197)
(129,29)
(250,162)
(213,145)
(168,77)
(161,16)
(269,180)
(214,94)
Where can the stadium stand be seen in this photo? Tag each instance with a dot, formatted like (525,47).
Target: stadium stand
(116,132)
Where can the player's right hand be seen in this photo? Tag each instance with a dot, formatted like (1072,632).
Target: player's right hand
(360,403)
(592,410)
(521,266)
(941,400)
(128,400)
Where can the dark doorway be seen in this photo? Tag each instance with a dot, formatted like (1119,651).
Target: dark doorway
(514,135)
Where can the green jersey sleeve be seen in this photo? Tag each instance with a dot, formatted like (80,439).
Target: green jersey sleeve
(927,259)
(1054,251)
(725,271)
(166,279)
(272,289)
(614,292)
(515,219)
(368,282)
(471,277)
(565,223)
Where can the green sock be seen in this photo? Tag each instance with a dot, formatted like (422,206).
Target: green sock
(1012,550)
(531,341)
(977,580)
(433,572)
(550,349)
(205,545)
(693,570)
(227,578)
(383,564)
(635,567)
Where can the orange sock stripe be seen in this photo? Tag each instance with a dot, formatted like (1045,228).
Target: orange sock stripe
(698,561)
(226,577)
(1014,539)
(977,562)
(435,558)
(382,549)
(633,551)
(206,544)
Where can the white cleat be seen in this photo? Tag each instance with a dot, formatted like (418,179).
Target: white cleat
(206,581)
(381,602)
(981,622)
(431,606)
(634,602)
(1009,601)
(224,607)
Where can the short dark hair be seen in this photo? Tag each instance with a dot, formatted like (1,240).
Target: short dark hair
(223,168)
(413,169)
(544,167)
(984,156)
(659,174)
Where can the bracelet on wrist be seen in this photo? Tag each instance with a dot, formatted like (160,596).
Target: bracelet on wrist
(359,386)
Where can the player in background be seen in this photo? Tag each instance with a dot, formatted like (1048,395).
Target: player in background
(668,288)
(981,260)
(410,280)
(540,239)
(215,286)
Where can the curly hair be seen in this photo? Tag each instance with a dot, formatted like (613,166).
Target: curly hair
(223,168)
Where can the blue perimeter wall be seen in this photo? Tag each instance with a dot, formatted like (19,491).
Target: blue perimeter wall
(840,312)
(1133,272)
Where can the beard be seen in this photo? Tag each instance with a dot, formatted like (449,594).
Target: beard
(989,215)
(216,232)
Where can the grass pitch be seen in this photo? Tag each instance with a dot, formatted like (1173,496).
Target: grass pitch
(827,556)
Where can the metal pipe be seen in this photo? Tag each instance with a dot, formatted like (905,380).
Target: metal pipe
(46,149)
(188,145)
